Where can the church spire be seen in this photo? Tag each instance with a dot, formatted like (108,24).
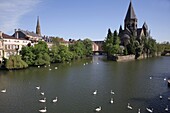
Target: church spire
(38,30)
(130,21)
(130,13)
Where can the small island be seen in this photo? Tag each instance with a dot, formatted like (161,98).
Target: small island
(132,42)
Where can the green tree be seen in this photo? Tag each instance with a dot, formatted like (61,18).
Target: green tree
(150,46)
(56,41)
(131,46)
(111,44)
(42,59)
(64,54)
(42,53)
(41,47)
(78,49)
(138,49)
(108,43)
(116,42)
(88,47)
(53,53)
(15,62)
(27,55)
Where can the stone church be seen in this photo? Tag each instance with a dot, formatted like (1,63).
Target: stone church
(131,28)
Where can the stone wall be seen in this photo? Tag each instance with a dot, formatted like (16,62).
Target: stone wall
(125,58)
(132,57)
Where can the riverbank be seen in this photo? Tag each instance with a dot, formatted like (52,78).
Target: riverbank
(121,58)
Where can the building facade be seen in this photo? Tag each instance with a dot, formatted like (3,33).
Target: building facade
(10,45)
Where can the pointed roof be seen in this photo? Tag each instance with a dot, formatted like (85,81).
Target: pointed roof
(130,13)
(120,28)
(38,23)
(38,30)
(145,26)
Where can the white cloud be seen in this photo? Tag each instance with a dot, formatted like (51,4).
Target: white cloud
(12,10)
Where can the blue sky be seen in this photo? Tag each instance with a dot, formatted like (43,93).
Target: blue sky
(79,19)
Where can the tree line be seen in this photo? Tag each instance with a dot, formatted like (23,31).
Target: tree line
(40,54)
(144,45)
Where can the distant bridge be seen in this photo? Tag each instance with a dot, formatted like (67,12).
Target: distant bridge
(97,47)
(166,53)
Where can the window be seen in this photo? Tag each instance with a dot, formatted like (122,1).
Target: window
(13,46)
(5,46)
(8,46)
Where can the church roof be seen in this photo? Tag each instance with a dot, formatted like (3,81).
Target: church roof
(29,33)
(130,13)
(145,26)
(38,29)
(139,30)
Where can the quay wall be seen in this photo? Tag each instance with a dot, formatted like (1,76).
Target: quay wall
(132,57)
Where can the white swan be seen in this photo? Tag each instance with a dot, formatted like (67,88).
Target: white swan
(166,109)
(38,66)
(128,106)
(112,92)
(164,79)
(43,110)
(42,100)
(3,91)
(50,69)
(138,110)
(111,101)
(56,67)
(55,100)
(150,77)
(98,109)
(38,87)
(149,110)
(42,93)
(160,96)
(95,92)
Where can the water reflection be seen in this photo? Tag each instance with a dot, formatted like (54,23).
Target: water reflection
(74,83)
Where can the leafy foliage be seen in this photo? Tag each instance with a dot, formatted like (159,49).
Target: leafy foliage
(88,47)
(15,62)
(53,53)
(27,55)
(78,49)
(64,54)
(111,43)
(150,46)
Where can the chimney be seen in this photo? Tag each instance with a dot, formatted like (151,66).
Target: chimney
(1,34)
(16,33)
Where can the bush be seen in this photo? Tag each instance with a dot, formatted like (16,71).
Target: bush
(15,62)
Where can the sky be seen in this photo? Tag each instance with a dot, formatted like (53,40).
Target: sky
(80,19)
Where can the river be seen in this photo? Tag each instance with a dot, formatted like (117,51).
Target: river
(74,83)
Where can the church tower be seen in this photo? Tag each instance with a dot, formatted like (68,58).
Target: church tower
(38,30)
(130,21)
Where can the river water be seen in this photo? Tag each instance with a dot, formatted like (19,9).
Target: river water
(74,83)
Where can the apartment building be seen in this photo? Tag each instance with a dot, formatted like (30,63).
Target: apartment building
(10,45)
